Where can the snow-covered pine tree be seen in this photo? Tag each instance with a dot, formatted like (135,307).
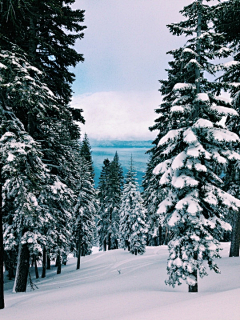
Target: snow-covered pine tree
(22,94)
(85,152)
(226,21)
(84,215)
(103,221)
(23,175)
(46,31)
(193,154)
(153,192)
(56,201)
(116,186)
(133,227)
(152,196)
(109,194)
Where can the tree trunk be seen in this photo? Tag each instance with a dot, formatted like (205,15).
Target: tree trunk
(44,261)
(195,287)
(235,238)
(79,255)
(135,252)
(36,267)
(109,242)
(160,235)
(48,260)
(1,246)
(58,262)
(20,284)
(104,245)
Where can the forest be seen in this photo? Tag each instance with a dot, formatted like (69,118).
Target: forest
(190,194)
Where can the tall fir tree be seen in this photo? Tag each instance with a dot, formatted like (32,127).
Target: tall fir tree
(110,189)
(84,216)
(152,195)
(86,153)
(47,32)
(133,227)
(193,153)
(226,21)
(33,197)
(103,221)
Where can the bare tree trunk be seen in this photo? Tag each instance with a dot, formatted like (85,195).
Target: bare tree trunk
(79,255)
(109,242)
(235,238)
(44,261)
(135,252)
(1,247)
(48,260)
(36,267)
(104,245)
(160,235)
(58,262)
(20,284)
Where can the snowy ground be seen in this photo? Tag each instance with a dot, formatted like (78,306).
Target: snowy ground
(116,285)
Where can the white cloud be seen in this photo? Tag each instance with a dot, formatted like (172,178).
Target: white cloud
(125,44)
(118,115)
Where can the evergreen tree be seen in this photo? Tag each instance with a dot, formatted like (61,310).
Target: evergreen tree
(133,227)
(47,32)
(85,212)
(35,201)
(152,195)
(109,194)
(226,21)
(193,154)
(103,222)
(86,153)
(23,173)
(115,191)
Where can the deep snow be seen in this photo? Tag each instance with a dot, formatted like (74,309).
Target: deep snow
(117,285)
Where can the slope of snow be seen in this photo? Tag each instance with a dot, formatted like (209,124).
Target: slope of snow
(116,285)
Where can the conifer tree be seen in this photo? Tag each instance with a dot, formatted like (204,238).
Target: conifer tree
(115,191)
(110,189)
(133,227)
(193,153)
(152,197)
(103,222)
(86,153)
(35,200)
(85,211)
(226,21)
(46,31)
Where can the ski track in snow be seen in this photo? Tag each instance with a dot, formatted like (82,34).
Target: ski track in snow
(116,285)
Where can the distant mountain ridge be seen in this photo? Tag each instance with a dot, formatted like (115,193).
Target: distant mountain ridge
(120,144)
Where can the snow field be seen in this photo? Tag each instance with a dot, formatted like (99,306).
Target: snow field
(117,285)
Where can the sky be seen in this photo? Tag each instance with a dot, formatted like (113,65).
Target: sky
(124,47)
